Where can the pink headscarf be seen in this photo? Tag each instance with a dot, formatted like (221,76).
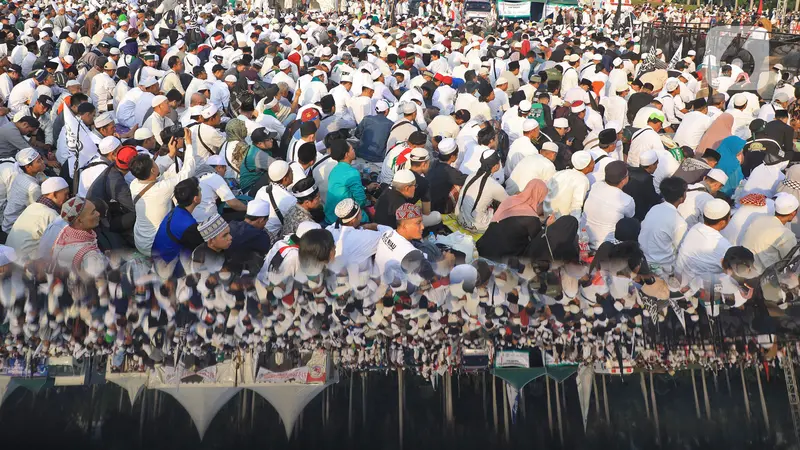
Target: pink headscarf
(526,203)
(720,129)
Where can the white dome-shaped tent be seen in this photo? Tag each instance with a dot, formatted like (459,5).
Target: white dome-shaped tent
(288,399)
(133,383)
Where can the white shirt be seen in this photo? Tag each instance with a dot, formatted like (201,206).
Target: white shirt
(742,218)
(769,240)
(28,230)
(566,192)
(616,109)
(283,199)
(692,208)
(93,169)
(157,124)
(391,247)
(24,190)
(126,114)
(360,107)
(119,92)
(220,94)
(154,205)
(661,235)
(520,148)
(6,85)
(605,206)
(206,140)
(476,212)
(701,252)
(143,106)
(512,123)
(692,128)
(21,95)
(764,179)
(341,96)
(529,168)
(102,91)
(212,187)
(643,140)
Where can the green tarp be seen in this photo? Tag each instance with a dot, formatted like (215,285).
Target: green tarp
(519,377)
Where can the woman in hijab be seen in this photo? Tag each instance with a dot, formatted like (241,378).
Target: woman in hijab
(235,148)
(719,130)
(730,162)
(515,223)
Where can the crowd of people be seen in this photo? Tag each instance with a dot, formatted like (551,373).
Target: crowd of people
(235,178)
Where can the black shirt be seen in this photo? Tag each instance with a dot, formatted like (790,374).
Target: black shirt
(442,178)
(509,237)
(640,187)
(423,191)
(636,102)
(388,204)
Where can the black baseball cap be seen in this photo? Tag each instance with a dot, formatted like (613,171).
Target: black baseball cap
(261,135)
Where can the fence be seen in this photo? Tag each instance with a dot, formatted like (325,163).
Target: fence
(784,48)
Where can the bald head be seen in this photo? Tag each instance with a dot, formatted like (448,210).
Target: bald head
(197,99)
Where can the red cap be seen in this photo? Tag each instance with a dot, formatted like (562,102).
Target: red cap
(309,115)
(124,157)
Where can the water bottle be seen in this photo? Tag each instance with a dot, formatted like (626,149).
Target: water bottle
(431,238)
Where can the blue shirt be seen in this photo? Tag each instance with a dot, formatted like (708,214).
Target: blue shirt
(374,133)
(166,247)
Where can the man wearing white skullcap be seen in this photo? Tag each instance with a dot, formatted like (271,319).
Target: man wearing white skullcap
(531,167)
(673,106)
(523,145)
(566,190)
(737,107)
(445,180)
(700,193)
(108,151)
(277,194)
(704,247)
(248,235)
(158,120)
(768,237)
(616,78)
(28,229)
(205,136)
(25,188)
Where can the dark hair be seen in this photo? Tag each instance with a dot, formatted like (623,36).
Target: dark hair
(86,107)
(308,128)
(140,166)
(781,113)
(673,188)
(710,153)
(79,98)
(197,70)
(174,95)
(123,72)
(30,121)
(463,115)
(316,245)
(339,149)
(303,185)
(513,65)
(649,86)
(307,153)
(186,191)
(173,61)
(486,135)
(711,223)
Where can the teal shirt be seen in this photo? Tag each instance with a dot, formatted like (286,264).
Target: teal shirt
(344,182)
(248,172)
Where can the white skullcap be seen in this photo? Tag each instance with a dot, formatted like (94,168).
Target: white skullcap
(26,156)
(597,57)
(786,203)
(574,57)
(382,105)
(216,160)
(716,209)
(781,97)
(550,147)
(621,87)
(739,100)
(230,79)
(692,53)
(103,120)
(581,159)
(500,81)
(326,51)
(306,226)
(157,100)
(778,66)
(277,170)
(53,184)
(7,255)
(142,133)
(525,106)
(258,208)
(209,111)
(529,124)
(617,61)
(346,78)
(147,81)
(72,36)
(108,144)
(368,84)
(71,83)
(447,146)
(615,125)
(347,210)
(404,176)
(283,65)
(671,84)
(408,108)
(718,175)
(561,122)
(69,59)
(648,158)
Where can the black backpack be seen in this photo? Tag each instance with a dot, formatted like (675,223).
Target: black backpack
(170,20)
